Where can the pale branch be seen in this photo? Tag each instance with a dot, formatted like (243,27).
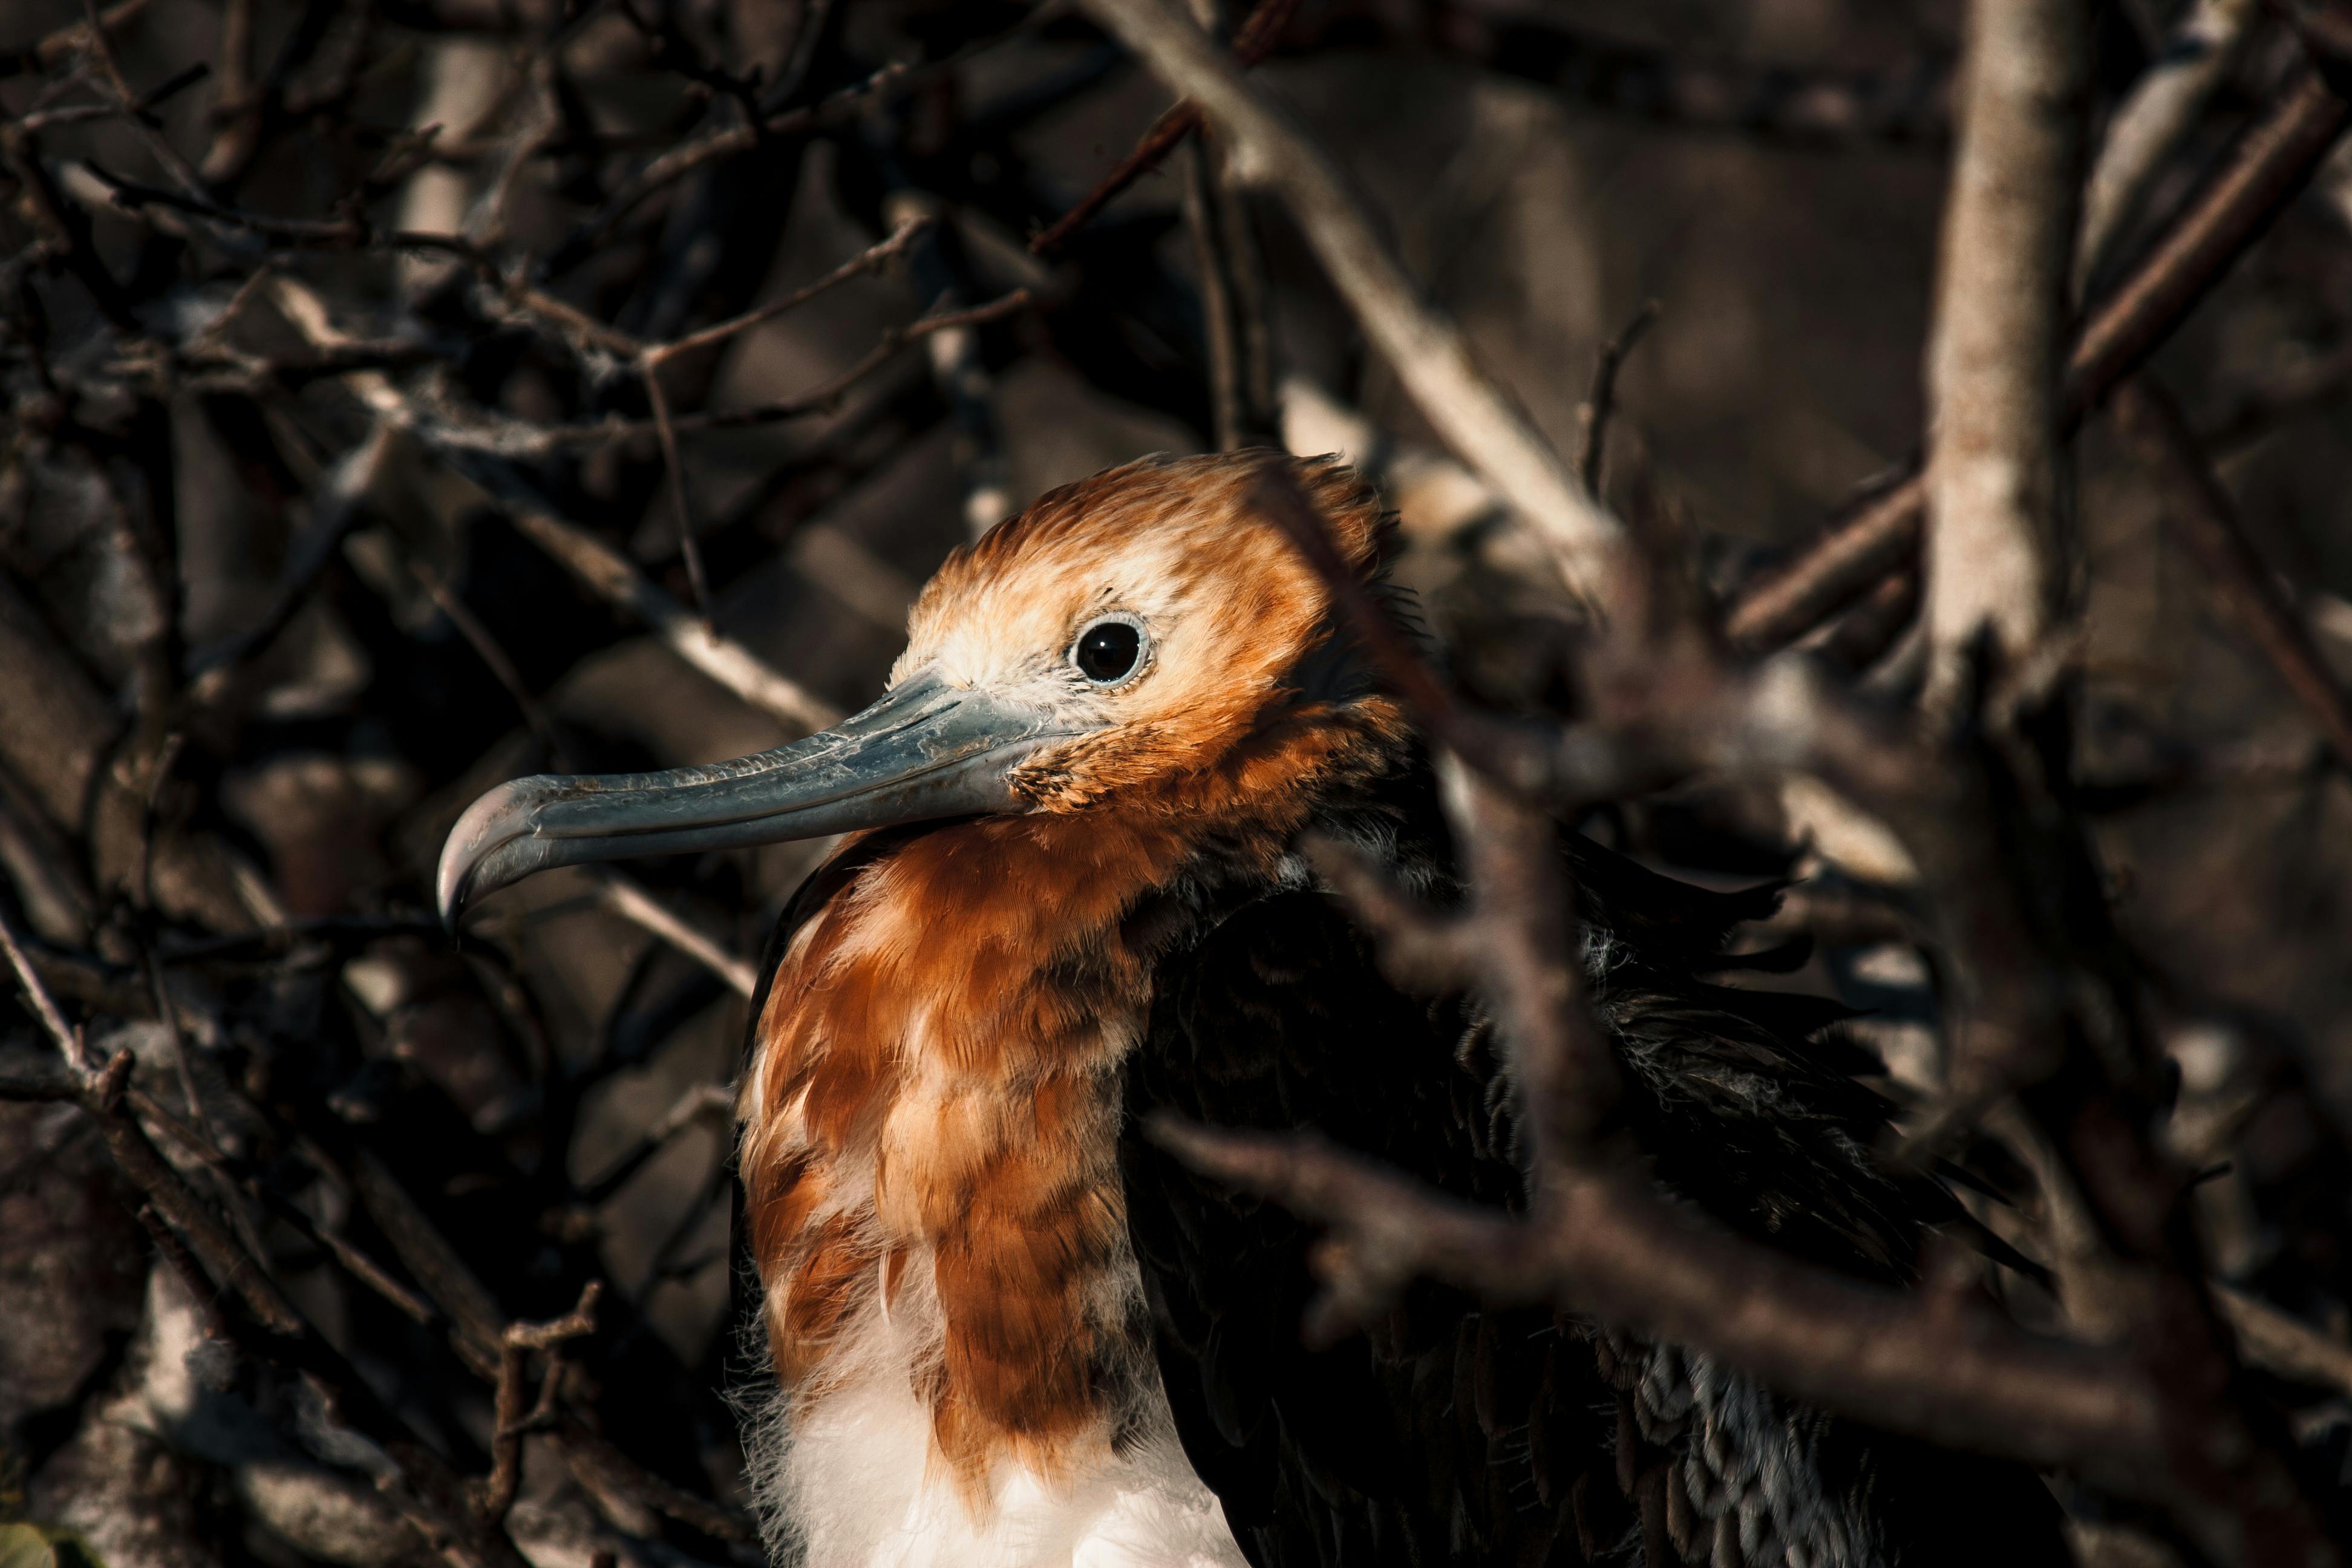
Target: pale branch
(1991,557)
(2282,1346)
(1427,351)
(629,899)
(607,572)
(43,1006)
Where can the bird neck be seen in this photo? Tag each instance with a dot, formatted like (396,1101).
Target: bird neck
(931,1115)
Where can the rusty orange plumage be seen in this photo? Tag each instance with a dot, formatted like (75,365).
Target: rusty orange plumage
(944,1033)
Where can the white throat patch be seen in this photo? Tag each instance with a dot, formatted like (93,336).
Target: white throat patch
(854,1482)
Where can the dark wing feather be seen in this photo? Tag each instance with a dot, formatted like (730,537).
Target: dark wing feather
(1451,1432)
(1407,1445)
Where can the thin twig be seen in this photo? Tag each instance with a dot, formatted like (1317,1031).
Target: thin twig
(2282,1346)
(627,899)
(56,47)
(101,41)
(681,508)
(1601,399)
(1255,40)
(232,100)
(2228,562)
(873,259)
(496,1496)
(702,1102)
(69,1041)
(605,572)
(654,357)
(486,648)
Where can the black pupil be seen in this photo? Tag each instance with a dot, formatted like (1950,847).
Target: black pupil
(1108,651)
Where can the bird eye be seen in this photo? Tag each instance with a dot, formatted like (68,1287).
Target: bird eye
(1108,651)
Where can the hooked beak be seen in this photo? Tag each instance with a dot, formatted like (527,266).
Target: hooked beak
(924,751)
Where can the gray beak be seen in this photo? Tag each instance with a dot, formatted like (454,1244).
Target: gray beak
(924,751)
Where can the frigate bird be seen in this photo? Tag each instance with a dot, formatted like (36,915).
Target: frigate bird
(1007,1329)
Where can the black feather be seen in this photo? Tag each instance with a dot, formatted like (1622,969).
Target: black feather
(1455,1433)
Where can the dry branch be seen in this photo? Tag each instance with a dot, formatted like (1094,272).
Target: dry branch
(632,904)
(1936,1367)
(1601,398)
(603,571)
(1427,353)
(2208,526)
(1992,561)
(1255,40)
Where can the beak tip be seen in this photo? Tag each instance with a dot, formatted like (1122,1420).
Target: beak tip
(449,884)
(475,841)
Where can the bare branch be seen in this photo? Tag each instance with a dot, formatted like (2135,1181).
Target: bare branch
(496,1496)
(2270,1339)
(1933,1366)
(1257,38)
(2210,526)
(1421,950)
(1600,400)
(1992,366)
(605,572)
(43,1006)
(1427,353)
(630,900)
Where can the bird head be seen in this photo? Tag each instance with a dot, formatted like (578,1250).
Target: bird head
(1143,639)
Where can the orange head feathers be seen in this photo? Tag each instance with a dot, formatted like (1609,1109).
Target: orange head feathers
(1224,622)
